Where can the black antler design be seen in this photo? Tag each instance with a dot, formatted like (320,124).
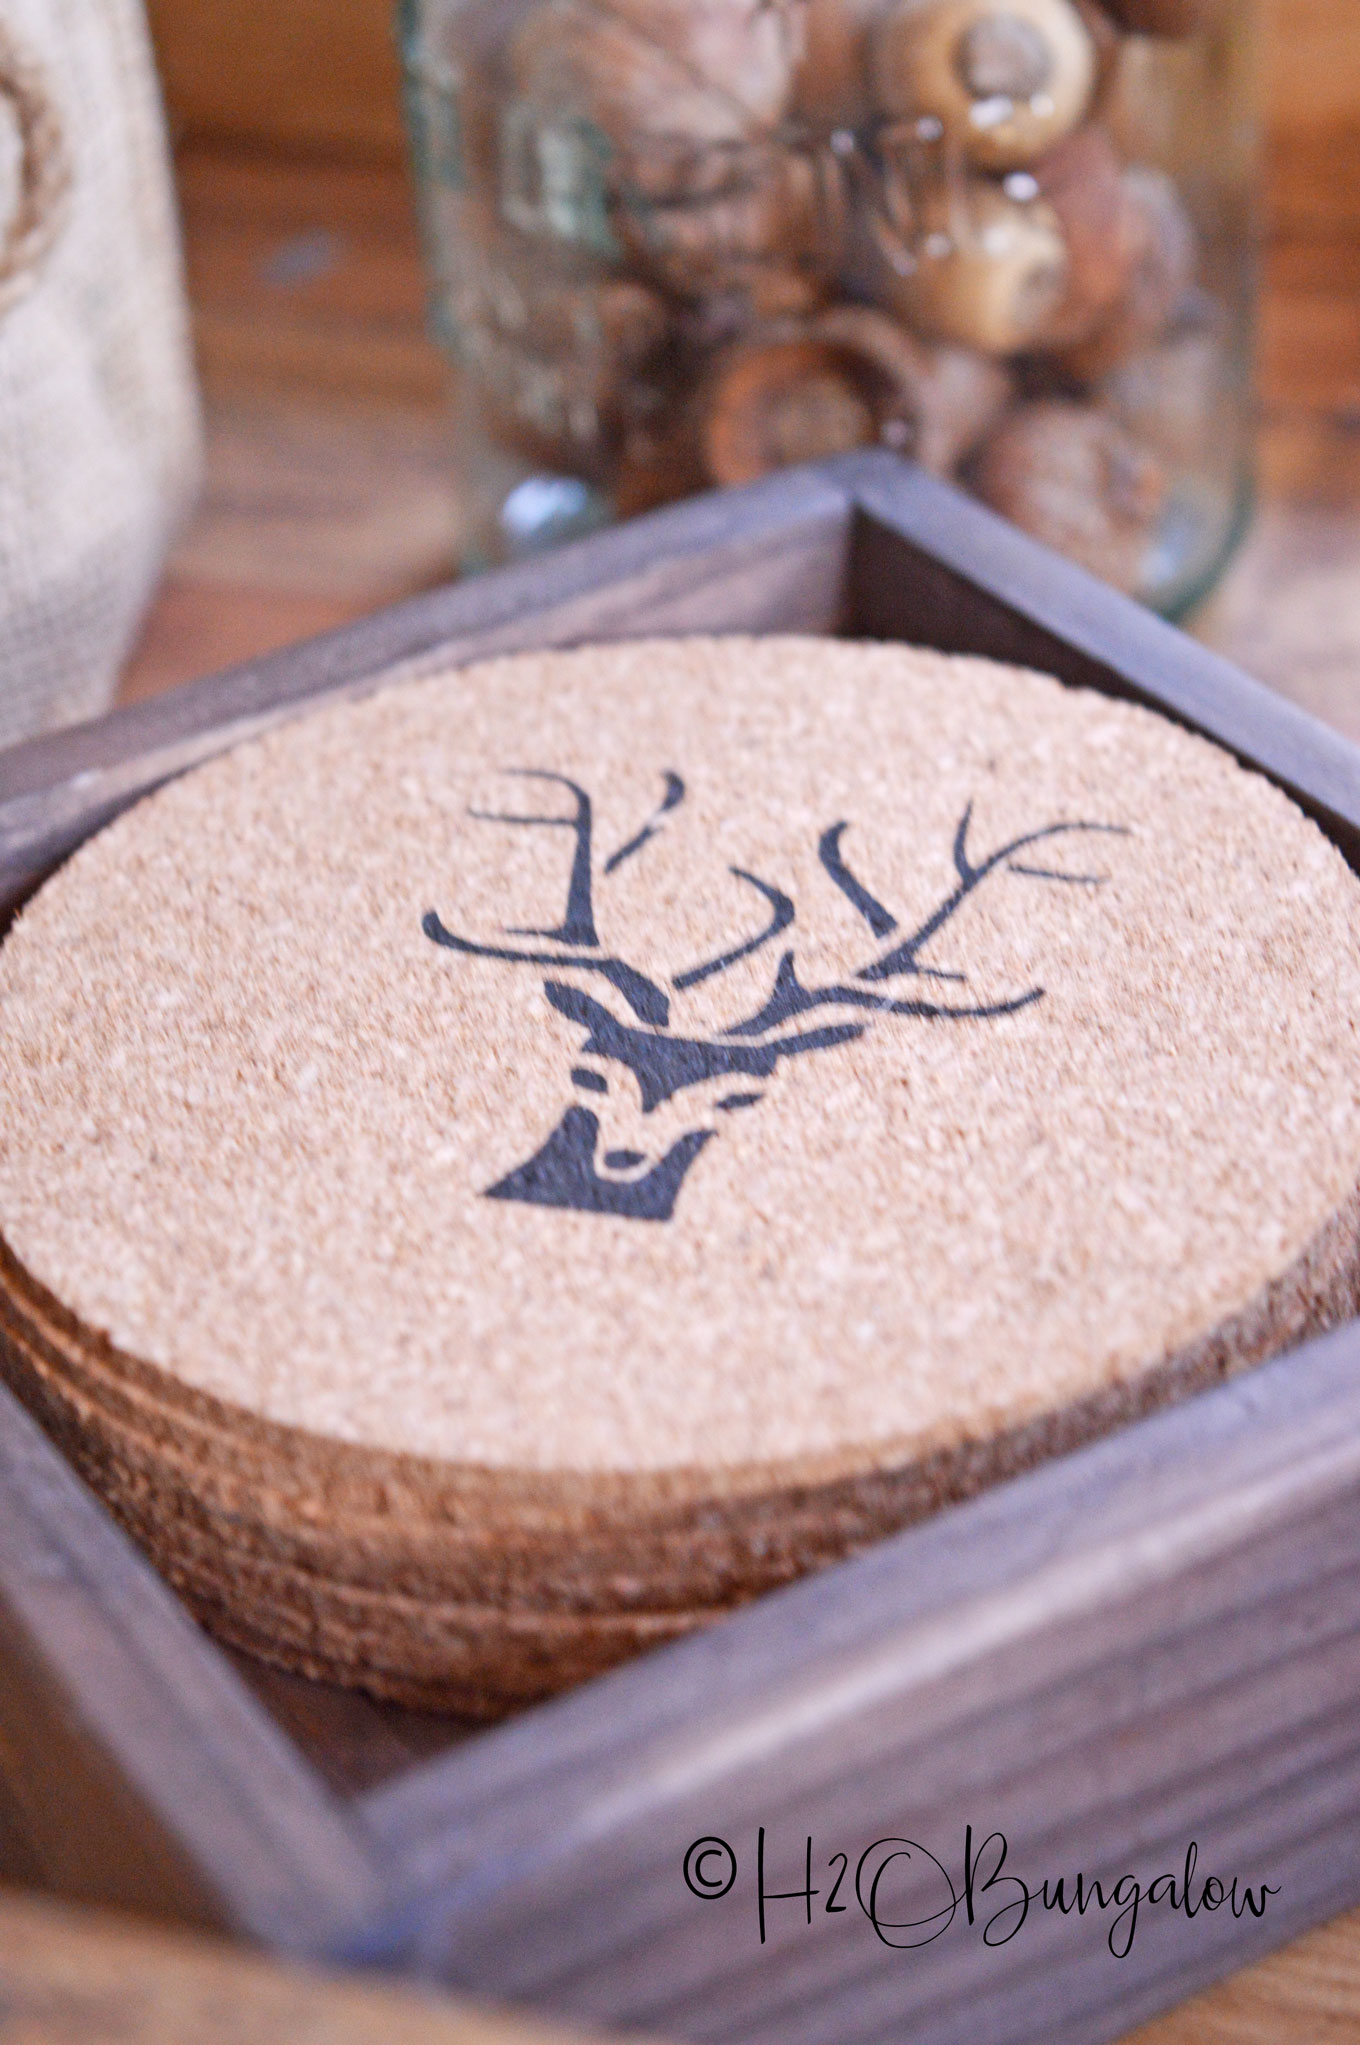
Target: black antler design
(880,920)
(563,1173)
(578,925)
(780,920)
(675,794)
(789,998)
(648,1001)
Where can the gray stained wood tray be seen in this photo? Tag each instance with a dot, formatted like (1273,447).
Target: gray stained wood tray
(1152,1641)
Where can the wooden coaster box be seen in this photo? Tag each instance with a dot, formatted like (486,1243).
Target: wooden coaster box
(1152,1641)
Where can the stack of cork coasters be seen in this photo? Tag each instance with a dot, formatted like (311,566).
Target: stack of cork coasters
(495,1174)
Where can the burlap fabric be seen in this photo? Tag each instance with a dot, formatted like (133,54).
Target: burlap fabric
(98,415)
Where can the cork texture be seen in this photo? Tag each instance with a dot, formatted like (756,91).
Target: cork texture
(551,1151)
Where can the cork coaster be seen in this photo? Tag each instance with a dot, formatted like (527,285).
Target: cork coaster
(496,1172)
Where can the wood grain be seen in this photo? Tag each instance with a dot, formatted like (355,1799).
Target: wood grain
(329,485)
(1308,1994)
(308,275)
(1103,1673)
(76,1977)
(1311,98)
(137,1770)
(1289,607)
(319,76)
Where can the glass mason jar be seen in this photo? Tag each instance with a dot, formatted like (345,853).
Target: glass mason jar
(678,243)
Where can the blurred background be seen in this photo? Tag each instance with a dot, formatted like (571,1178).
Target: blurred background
(329,481)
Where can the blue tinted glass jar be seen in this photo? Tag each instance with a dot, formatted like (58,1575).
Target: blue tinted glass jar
(678,243)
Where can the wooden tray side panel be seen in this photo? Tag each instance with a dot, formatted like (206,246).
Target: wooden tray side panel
(1153,1641)
(928,564)
(136,1768)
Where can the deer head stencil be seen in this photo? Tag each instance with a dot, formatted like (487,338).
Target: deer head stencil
(896,982)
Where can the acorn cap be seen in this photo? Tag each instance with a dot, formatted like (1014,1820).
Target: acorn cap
(774,403)
(935,401)
(843,378)
(581,61)
(749,50)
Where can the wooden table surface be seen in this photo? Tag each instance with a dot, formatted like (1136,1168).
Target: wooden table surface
(329,492)
(72,1976)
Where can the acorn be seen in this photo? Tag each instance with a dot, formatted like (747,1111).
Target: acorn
(933,401)
(1001,80)
(1082,181)
(781,214)
(658,462)
(684,97)
(748,49)
(849,377)
(1157,17)
(982,269)
(765,295)
(1160,272)
(662,81)
(561,364)
(627,321)
(775,403)
(1072,477)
